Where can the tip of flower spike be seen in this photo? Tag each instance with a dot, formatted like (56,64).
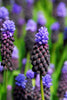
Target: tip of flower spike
(41,19)
(15,52)
(31,25)
(47,80)
(20,80)
(8,27)
(30,74)
(16,8)
(42,36)
(24,61)
(4,14)
(55,26)
(61,9)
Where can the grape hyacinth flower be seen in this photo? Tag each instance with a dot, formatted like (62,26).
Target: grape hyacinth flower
(30,74)
(7,46)
(55,30)
(38,81)
(19,90)
(4,14)
(40,53)
(16,8)
(31,28)
(62,88)
(23,65)
(46,84)
(61,13)
(15,56)
(65,36)
(41,21)
(61,9)
(1,73)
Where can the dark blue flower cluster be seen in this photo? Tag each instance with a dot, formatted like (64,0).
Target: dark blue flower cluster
(47,80)
(30,74)
(16,8)
(42,36)
(20,80)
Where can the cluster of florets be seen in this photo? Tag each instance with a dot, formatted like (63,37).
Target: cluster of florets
(30,74)
(42,36)
(4,14)
(31,25)
(61,10)
(20,80)
(16,8)
(55,26)
(41,19)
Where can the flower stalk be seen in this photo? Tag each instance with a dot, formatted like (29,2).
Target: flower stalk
(41,85)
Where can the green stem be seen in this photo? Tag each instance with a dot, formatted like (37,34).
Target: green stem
(27,64)
(5,82)
(41,85)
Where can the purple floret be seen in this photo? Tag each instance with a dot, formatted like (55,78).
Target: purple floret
(9,26)
(31,25)
(21,21)
(55,26)
(61,10)
(20,80)
(30,74)
(15,52)
(41,19)
(1,67)
(47,80)
(16,9)
(24,61)
(64,69)
(4,14)
(42,36)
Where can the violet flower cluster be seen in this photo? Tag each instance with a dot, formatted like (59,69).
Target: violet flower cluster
(30,74)
(20,80)
(31,25)
(4,14)
(41,19)
(55,26)
(16,8)
(61,10)
(47,80)
(8,27)
(42,36)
